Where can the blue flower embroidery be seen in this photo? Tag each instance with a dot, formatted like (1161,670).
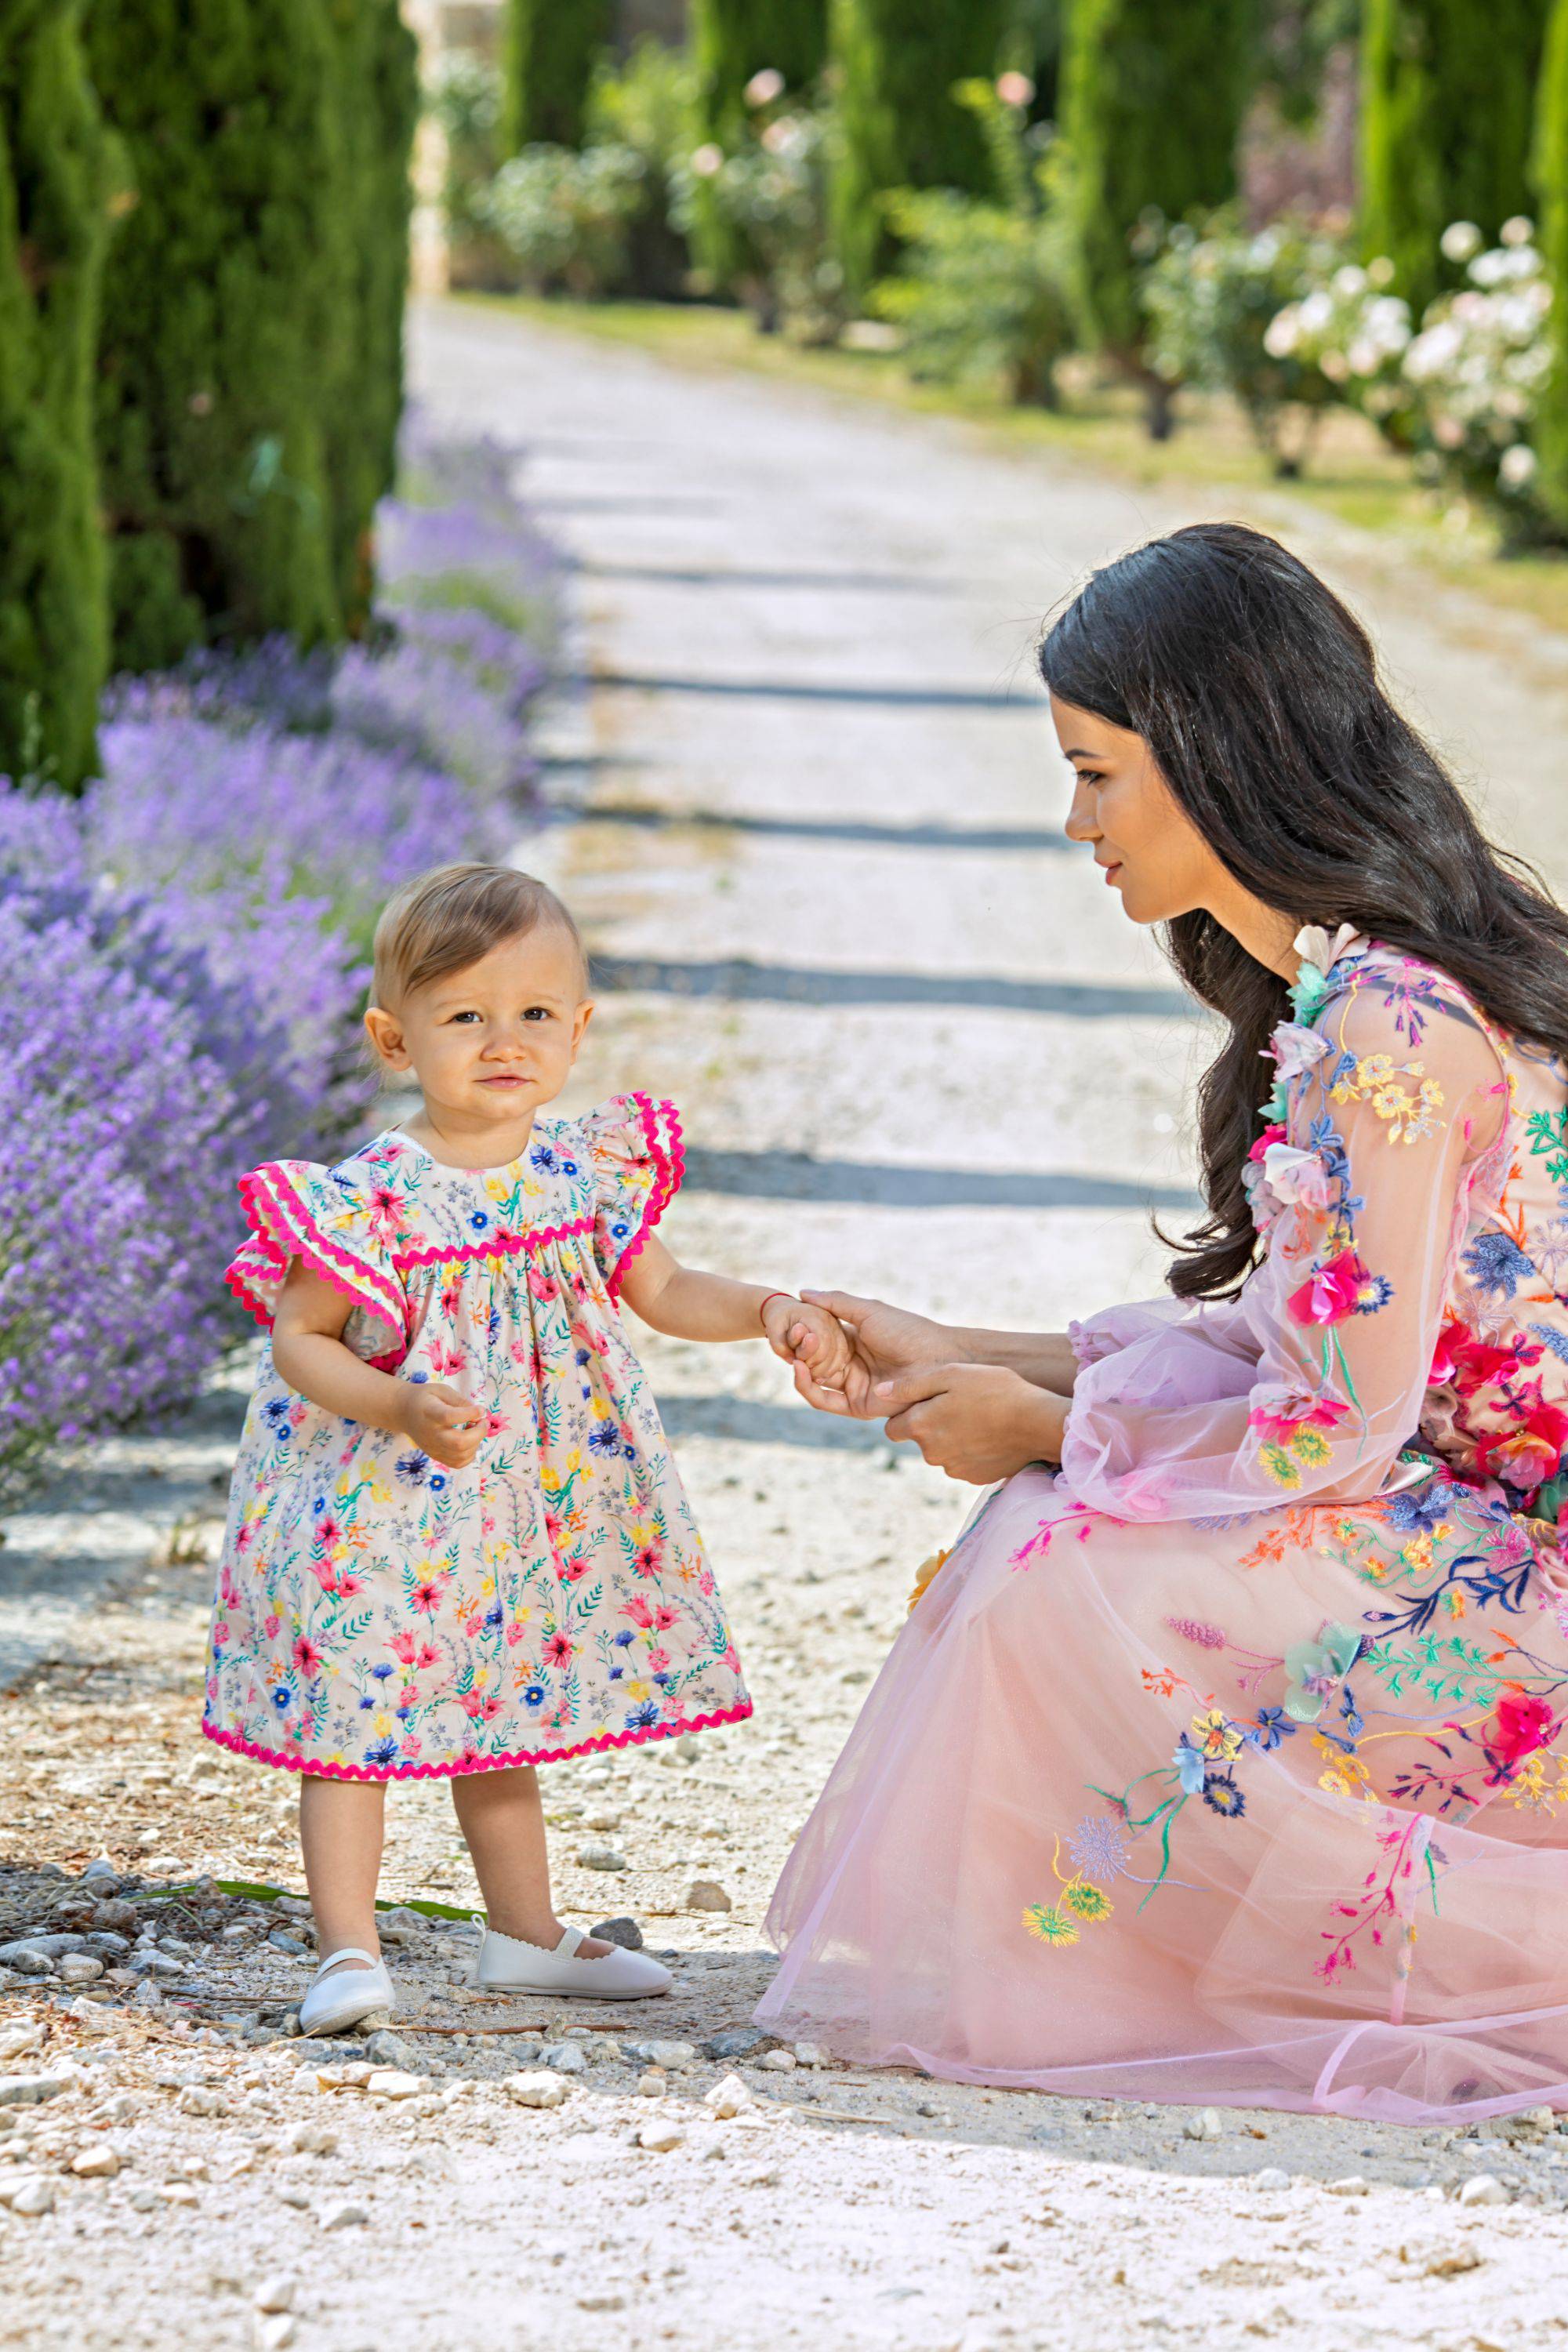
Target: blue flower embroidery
(1497,1264)
(1190,1766)
(381,1673)
(1273,1726)
(643,1718)
(477,1220)
(1419,1509)
(534,1694)
(413,1467)
(1221,1793)
(384,1752)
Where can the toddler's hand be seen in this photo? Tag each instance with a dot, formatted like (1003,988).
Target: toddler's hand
(809,1336)
(446,1426)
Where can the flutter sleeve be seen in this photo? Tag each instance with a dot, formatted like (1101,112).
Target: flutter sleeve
(1307,1386)
(639,1163)
(327,1220)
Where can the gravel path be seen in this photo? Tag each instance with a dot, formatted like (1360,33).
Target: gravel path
(808,815)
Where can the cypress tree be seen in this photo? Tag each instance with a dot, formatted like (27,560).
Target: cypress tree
(731,41)
(549,50)
(376,94)
(896,63)
(218,328)
(54,187)
(1152,97)
(1448,93)
(1551,187)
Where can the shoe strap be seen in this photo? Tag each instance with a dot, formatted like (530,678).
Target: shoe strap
(346,1952)
(571,1939)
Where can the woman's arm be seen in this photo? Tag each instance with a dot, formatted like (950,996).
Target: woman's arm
(1045,1360)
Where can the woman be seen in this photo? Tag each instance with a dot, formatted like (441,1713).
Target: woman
(1230,1761)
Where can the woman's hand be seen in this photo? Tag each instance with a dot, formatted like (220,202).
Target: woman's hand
(973,1420)
(888,1340)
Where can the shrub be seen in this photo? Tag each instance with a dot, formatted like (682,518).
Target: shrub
(53,174)
(464,97)
(645,105)
(1213,296)
(772,198)
(737,48)
(565,218)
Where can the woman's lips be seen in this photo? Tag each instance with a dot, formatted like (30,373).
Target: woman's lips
(1112,871)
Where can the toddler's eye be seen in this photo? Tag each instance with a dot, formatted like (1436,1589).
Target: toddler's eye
(537,1013)
(458,1017)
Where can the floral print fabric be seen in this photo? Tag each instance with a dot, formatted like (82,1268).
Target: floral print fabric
(380,1617)
(1254,1778)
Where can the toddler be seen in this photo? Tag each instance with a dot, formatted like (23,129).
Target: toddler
(457,1545)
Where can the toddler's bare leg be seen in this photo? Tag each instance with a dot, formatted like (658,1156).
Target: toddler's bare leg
(503,1820)
(341,1831)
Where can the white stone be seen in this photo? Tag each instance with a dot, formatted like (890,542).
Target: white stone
(1352,2185)
(275,2293)
(96,2163)
(808,2054)
(672,2055)
(566,2057)
(196,2099)
(1271,2177)
(706,1894)
(28,2090)
(178,2193)
(1483,2189)
(602,1857)
(391,2082)
(346,2216)
(1205,2125)
(653,2085)
(28,2193)
(782,2062)
(79,1968)
(537,2087)
(659,2138)
(273,2333)
(728,2098)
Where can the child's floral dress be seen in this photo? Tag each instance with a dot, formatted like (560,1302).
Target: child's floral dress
(1231,1762)
(378,1617)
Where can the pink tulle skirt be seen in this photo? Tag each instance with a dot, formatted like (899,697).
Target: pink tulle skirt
(1267,1813)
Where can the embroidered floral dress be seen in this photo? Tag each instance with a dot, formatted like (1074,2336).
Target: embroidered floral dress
(379,1617)
(1231,1762)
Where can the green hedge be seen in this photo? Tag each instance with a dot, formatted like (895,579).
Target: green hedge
(54,192)
(549,50)
(1447,95)
(1551,191)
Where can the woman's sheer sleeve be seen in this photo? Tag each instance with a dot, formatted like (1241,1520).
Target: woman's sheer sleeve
(1313,1379)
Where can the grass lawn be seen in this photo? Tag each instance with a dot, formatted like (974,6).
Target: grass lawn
(1354,476)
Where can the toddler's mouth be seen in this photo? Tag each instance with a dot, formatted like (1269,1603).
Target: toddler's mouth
(504,1079)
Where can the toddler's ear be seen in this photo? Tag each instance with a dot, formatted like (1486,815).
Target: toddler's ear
(385,1034)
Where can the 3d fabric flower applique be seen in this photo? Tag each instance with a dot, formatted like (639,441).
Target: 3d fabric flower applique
(1314,1670)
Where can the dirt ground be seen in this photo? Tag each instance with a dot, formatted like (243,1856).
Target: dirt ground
(805,808)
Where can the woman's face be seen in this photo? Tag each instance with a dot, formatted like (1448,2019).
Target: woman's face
(1151,851)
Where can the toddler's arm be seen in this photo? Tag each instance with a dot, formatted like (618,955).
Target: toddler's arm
(309,1351)
(688,1305)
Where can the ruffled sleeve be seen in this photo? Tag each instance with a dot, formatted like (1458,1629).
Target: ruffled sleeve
(1307,1386)
(634,1145)
(297,1209)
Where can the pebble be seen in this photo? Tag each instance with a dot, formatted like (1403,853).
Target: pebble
(29,2090)
(96,2163)
(603,1821)
(26,1961)
(275,2293)
(602,1857)
(706,1894)
(566,2057)
(601,2301)
(1205,2125)
(537,2087)
(808,2054)
(178,2193)
(659,2138)
(1352,2185)
(29,2194)
(1463,2258)
(653,2085)
(281,1941)
(727,2097)
(623,1932)
(343,2217)
(782,2062)
(43,1945)
(1483,2189)
(386,2050)
(272,2335)
(392,2083)
(1271,2177)
(197,2100)
(736,2041)
(671,2055)
(79,1968)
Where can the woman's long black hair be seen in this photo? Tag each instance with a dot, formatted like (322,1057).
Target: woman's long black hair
(1257,693)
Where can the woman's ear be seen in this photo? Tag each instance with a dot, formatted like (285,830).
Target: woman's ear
(385,1035)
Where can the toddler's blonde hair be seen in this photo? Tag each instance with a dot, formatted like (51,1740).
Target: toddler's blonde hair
(446,919)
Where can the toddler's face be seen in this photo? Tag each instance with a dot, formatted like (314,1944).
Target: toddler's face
(497,1040)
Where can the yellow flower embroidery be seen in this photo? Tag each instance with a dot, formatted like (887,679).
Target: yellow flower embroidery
(1086,1901)
(1281,1469)
(1045,1922)
(1310,1445)
(1216,1736)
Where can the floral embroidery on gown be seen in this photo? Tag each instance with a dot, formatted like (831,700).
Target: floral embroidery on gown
(378,1617)
(1231,1762)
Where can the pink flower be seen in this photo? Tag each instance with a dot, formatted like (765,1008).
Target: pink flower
(1336,1289)
(430,1655)
(348,1585)
(220,1636)
(1270,1135)
(494,1424)
(1014,88)
(1296,1048)
(272,1627)
(637,1609)
(557,1650)
(401,1647)
(307,1657)
(1295,1409)
(664,1616)
(733,1659)
(658,1660)
(705,1584)
(514,1635)
(543,1285)
(1528,1454)
(1523,1724)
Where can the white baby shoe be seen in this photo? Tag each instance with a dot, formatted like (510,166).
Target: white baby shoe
(506,1964)
(334,2002)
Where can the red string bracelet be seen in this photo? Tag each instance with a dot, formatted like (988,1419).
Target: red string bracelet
(768,1301)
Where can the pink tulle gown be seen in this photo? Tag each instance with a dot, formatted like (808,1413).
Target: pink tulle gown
(1231,1763)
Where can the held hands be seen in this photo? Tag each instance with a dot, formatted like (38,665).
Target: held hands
(883,1341)
(809,1338)
(449,1427)
(976,1422)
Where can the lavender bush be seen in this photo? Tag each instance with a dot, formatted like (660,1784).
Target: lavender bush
(202,914)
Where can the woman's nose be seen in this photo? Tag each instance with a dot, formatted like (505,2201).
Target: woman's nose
(1080,824)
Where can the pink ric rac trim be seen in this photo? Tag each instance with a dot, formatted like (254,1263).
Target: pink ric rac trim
(670,1165)
(273,1208)
(676,1730)
(499,1245)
